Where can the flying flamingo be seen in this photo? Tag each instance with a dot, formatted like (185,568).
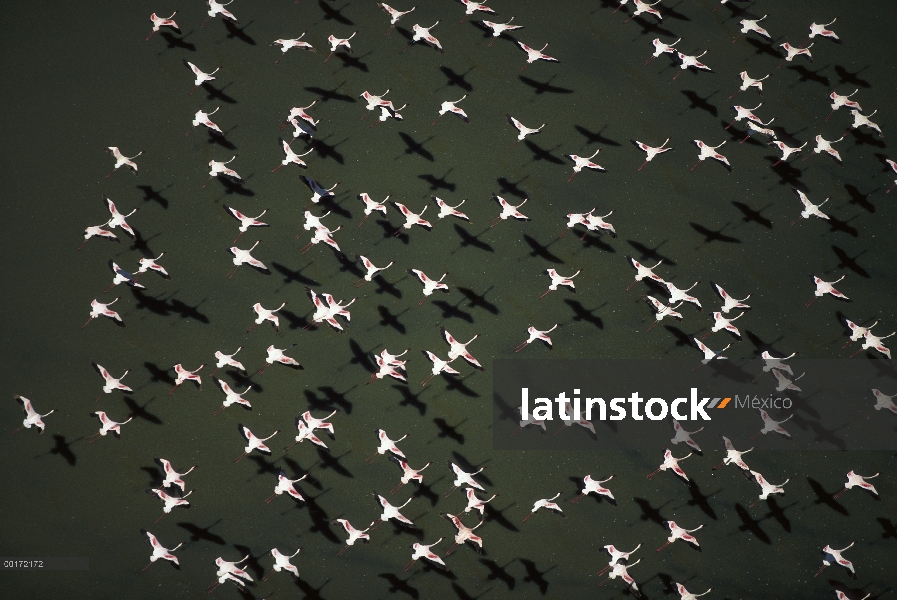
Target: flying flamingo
(784,383)
(677,295)
(304,432)
(535,334)
(720,322)
(159,22)
(557,280)
(545,503)
(169,502)
(246,222)
(791,52)
(245,257)
(217,168)
(500,28)
(394,15)
(522,129)
(767,488)
(430,285)
(291,157)
(282,562)
(748,25)
(471,7)
(318,192)
(229,570)
(315,423)
(532,55)
(465,533)
(817,29)
(838,101)
(159,551)
(691,61)
(860,120)
(710,152)
(770,363)
(745,113)
(439,366)
(386,445)
(111,383)
(121,160)
(662,310)
(854,480)
(371,268)
(231,397)
(462,477)
(450,211)
(253,442)
(642,272)
(671,462)
(411,219)
(386,369)
(678,533)
(761,128)
(770,425)
(422,34)
(216,8)
(650,151)
(392,512)
(583,162)
(107,425)
(450,107)
(422,551)
(172,477)
(684,594)
(201,77)
(32,417)
(292,43)
(643,7)
(457,349)
(616,557)
(882,400)
(98,309)
(150,264)
(285,485)
(228,360)
(708,353)
(508,210)
(202,118)
(620,570)
(277,355)
(810,209)
(728,301)
(336,42)
(684,436)
(374,102)
(748,82)
(593,485)
(98,230)
(733,456)
(408,474)
(370,206)
(122,276)
(474,503)
(786,150)
(266,315)
(873,341)
(354,534)
(659,47)
(826,287)
(833,556)
(183,375)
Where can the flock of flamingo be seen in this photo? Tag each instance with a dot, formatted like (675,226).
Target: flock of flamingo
(663,297)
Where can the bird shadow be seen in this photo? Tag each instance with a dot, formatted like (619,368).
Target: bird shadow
(497,572)
(649,513)
(762,47)
(509,188)
(749,524)
(700,103)
(290,276)
(889,530)
(596,137)
(334,14)
(173,41)
(334,94)
(646,253)
(823,497)
(852,78)
(540,154)
(450,311)
(856,197)
(788,174)
(540,87)
(414,147)
(239,33)
(328,461)
(456,384)
(158,374)
(218,139)
(360,357)
(438,183)
(713,235)
(411,399)
(848,262)
(541,251)
(749,215)
(140,412)
(534,575)
(151,195)
(63,448)
(217,94)
(449,431)
(204,534)
(387,319)
(454,79)
(497,516)
(805,74)
(353,62)
(835,224)
(397,585)
(479,300)
(581,313)
(325,150)
(863,138)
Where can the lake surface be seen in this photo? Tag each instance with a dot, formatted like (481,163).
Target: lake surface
(79,78)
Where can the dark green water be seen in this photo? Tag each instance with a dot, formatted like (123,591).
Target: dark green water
(78,78)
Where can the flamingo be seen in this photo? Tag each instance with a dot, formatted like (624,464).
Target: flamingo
(201,76)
